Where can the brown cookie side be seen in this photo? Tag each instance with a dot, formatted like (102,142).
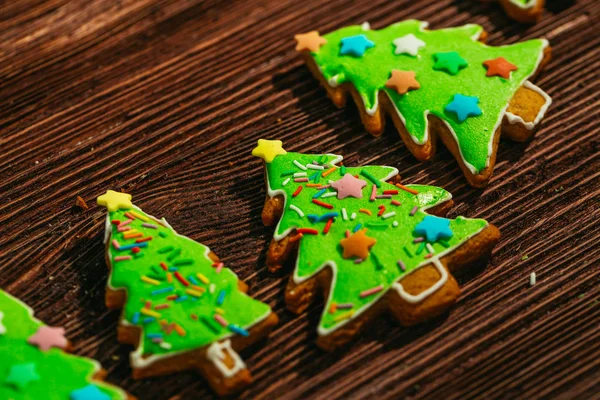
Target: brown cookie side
(525,15)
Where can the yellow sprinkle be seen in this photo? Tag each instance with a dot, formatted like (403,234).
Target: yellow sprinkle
(134,235)
(198,288)
(330,170)
(150,313)
(219,310)
(193,292)
(343,316)
(150,281)
(169,277)
(130,232)
(139,216)
(203,278)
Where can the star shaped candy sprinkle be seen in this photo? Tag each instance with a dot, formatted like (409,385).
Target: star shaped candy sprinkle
(89,392)
(451,62)
(408,44)
(499,67)
(268,149)
(2,327)
(434,228)
(402,81)
(114,201)
(349,186)
(357,245)
(464,107)
(47,337)
(355,45)
(20,375)
(310,41)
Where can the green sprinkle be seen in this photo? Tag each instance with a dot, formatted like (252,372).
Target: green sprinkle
(185,261)
(322,159)
(174,255)
(445,244)
(376,225)
(370,177)
(211,325)
(157,277)
(378,263)
(317,178)
(156,270)
(138,255)
(343,170)
(581,296)
(408,253)
(165,249)
(162,234)
(421,247)
(287,173)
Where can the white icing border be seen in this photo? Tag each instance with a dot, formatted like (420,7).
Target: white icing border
(216,355)
(516,119)
(136,357)
(424,24)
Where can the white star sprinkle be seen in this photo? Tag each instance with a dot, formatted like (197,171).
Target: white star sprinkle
(408,44)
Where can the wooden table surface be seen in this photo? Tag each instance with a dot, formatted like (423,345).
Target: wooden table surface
(166,99)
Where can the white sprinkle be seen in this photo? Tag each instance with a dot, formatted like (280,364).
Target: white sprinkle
(297,164)
(395,224)
(299,174)
(365,26)
(285,182)
(532,279)
(330,182)
(212,288)
(330,194)
(353,216)
(430,248)
(312,166)
(387,215)
(344,214)
(299,211)
(165,345)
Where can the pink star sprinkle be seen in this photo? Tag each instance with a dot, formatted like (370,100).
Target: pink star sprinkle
(47,337)
(349,186)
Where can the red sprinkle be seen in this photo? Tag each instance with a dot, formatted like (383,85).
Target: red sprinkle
(146,239)
(297,192)
(308,231)
(395,202)
(193,316)
(381,210)
(328,226)
(148,304)
(161,306)
(181,279)
(115,222)
(171,297)
(390,192)
(320,203)
(164,266)
(428,255)
(135,250)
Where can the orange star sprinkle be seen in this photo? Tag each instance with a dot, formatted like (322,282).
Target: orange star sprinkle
(357,245)
(499,67)
(402,81)
(311,41)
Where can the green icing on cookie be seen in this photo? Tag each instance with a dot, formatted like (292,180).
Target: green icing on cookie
(28,372)
(394,233)
(370,73)
(176,294)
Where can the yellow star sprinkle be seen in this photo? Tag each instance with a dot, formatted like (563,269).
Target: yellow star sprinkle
(114,201)
(268,149)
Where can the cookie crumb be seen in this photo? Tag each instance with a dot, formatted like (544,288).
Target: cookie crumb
(525,257)
(80,202)
(532,279)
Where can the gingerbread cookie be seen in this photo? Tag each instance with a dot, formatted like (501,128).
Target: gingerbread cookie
(368,242)
(181,307)
(35,364)
(523,10)
(443,83)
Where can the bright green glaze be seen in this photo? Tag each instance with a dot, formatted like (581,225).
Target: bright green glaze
(381,266)
(240,309)
(60,373)
(370,73)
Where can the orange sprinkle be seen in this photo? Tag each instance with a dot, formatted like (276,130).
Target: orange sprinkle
(296,238)
(134,235)
(329,171)
(179,330)
(169,277)
(332,308)
(364,210)
(313,185)
(409,190)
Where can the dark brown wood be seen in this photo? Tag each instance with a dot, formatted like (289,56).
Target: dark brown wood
(166,99)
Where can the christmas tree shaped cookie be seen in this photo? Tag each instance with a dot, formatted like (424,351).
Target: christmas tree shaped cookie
(523,10)
(35,364)
(444,83)
(181,307)
(367,241)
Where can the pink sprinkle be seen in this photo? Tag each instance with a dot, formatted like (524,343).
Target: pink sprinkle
(123,228)
(401,265)
(126,222)
(384,196)
(358,261)
(414,210)
(219,268)
(323,187)
(344,306)
(419,240)
(371,291)
(122,258)
(373,193)
(157,340)
(221,320)
(151,226)
(300,179)
(395,202)
(116,244)
(347,233)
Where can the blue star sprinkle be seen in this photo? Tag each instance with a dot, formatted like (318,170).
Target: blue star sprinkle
(89,392)
(434,228)
(464,107)
(355,45)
